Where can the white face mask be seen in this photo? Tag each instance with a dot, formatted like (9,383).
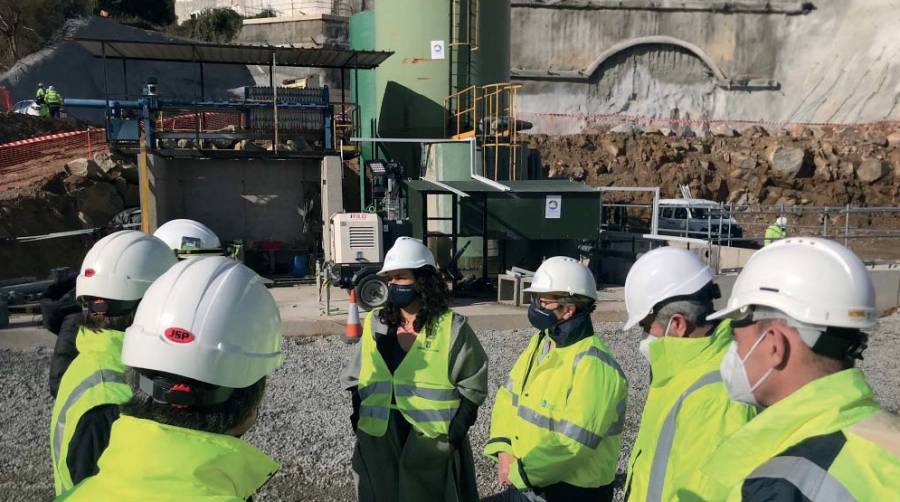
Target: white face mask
(644,346)
(734,374)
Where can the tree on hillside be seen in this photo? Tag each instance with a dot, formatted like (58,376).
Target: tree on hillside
(219,25)
(154,12)
(27,25)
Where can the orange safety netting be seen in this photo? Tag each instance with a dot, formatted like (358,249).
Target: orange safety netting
(62,146)
(208,121)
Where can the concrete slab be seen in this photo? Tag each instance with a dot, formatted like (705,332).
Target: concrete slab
(25,333)
(302,316)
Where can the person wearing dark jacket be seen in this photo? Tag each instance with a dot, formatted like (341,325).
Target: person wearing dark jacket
(65,351)
(116,272)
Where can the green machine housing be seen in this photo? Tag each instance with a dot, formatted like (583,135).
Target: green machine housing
(519,227)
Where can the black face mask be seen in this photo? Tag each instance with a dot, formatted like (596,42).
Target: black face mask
(401,295)
(540,317)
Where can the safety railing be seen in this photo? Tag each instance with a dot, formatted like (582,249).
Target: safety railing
(462,113)
(499,132)
(488,113)
(871,232)
(20,155)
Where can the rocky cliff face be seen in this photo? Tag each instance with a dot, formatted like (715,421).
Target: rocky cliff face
(800,166)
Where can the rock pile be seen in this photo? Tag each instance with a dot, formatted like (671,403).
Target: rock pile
(87,194)
(798,166)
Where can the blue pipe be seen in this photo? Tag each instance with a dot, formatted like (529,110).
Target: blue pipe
(100,103)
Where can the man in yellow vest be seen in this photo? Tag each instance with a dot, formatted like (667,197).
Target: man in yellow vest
(39,94)
(416,383)
(115,273)
(776,230)
(54,101)
(669,292)
(204,338)
(799,308)
(556,427)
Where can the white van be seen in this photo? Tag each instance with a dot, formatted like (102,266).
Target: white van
(698,219)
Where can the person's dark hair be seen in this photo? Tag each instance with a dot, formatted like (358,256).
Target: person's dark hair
(434,298)
(99,314)
(218,419)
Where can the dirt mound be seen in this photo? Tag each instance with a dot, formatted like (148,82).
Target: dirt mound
(802,166)
(86,193)
(15,126)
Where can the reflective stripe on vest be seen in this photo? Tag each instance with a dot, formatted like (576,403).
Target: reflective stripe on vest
(568,429)
(98,378)
(813,482)
(420,385)
(667,438)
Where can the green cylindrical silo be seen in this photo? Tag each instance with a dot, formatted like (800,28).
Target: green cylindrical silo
(362,82)
(411,85)
(487,46)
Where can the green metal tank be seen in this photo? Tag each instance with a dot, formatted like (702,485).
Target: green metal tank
(362,82)
(411,85)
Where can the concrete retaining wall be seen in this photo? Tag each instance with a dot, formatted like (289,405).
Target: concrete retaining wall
(885,278)
(253,200)
(835,63)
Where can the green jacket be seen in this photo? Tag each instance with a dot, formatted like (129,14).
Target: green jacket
(774,233)
(96,377)
(561,414)
(687,413)
(828,440)
(149,461)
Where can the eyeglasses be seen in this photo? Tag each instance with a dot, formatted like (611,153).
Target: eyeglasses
(647,322)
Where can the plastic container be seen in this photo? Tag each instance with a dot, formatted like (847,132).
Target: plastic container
(300,266)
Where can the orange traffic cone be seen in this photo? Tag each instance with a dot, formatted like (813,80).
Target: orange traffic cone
(353,331)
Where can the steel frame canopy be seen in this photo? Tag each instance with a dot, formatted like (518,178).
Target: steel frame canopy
(189,51)
(201,53)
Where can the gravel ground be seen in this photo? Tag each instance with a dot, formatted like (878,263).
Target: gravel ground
(304,420)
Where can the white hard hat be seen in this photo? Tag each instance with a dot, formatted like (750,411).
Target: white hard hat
(781,221)
(812,280)
(661,274)
(407,253)
(561,274)
(122,265)
(186,236)
(208,319)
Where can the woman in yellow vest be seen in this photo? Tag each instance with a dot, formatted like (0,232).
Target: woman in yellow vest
(416,383)
(114,276)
